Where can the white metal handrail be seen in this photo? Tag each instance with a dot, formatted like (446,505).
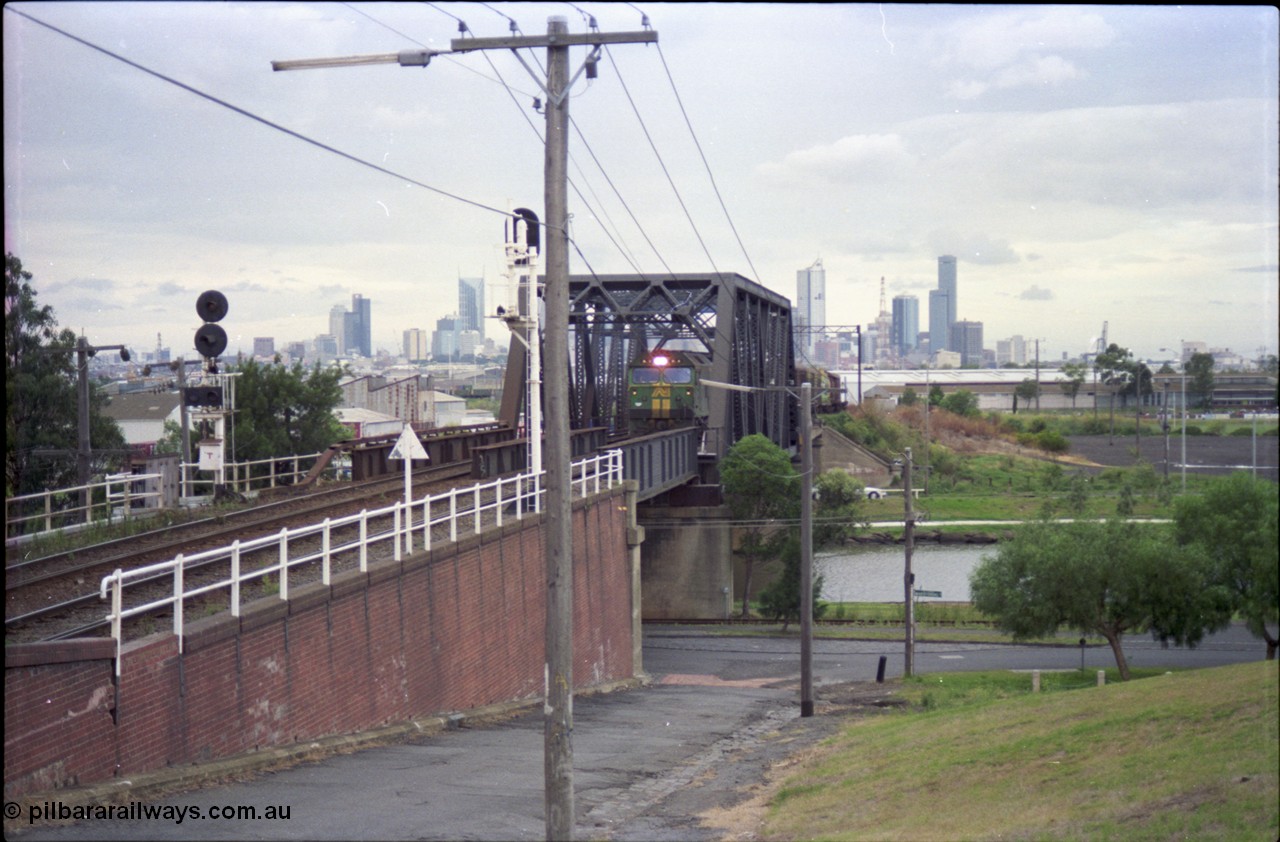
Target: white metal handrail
(519,493)
(240,474)
(47,512)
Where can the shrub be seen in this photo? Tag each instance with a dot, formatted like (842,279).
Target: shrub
(1052,441)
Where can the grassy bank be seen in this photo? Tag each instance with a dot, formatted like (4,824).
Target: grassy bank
(977,756)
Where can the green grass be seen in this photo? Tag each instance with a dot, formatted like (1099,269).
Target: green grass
(1188,755)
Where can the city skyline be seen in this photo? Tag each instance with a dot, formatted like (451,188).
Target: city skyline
(1078,176)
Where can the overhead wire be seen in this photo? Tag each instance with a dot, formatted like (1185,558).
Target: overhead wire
(515,27)
(661,162)
(258,118)
(706,165)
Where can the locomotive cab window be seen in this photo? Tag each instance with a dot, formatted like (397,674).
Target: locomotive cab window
(679,375)
(646,376)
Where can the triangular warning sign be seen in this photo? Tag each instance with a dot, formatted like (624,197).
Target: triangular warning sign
(408,447)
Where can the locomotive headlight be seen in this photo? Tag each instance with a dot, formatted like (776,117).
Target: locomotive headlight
(661,361)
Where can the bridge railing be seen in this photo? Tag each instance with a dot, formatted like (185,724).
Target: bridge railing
(491,502)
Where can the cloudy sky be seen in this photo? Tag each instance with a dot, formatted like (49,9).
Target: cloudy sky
(1084,164)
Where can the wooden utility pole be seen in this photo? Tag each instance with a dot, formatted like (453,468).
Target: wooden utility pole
(908,578)
(557,527)
(806,549)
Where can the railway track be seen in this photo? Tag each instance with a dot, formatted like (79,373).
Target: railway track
(57,596)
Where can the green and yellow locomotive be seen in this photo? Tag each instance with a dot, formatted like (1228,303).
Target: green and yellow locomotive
(664,390)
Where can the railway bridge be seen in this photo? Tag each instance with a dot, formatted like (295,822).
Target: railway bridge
(444,626)
(745,331)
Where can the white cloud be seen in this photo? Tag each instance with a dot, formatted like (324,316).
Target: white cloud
(989,42)
(855,158)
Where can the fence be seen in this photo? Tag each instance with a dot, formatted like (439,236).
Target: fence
(520,494)
(248,476)
(77,504)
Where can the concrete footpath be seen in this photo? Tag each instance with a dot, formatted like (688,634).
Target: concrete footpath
(636,750)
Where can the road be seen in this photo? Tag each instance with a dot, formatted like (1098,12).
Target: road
(1206,455)
(650,763)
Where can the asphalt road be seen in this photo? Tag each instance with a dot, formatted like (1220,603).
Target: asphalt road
(648,762)
(1206,455)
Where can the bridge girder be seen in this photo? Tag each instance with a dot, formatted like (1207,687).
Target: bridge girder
(745,329)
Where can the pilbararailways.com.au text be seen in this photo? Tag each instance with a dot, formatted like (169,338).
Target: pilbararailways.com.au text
(137,811)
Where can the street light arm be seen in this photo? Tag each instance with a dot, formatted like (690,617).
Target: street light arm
(404,58)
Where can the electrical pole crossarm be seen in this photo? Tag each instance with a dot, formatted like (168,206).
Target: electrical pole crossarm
(558,39)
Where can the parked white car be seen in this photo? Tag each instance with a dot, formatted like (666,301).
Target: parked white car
(874,493)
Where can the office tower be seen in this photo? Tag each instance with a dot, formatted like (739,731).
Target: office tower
(966,340)
(362,325)
(416,345)
(943,304)
(264,346)
(810,311)
(470,343)
(906,324)
(471,304)
(444,342)
(338,324)
(326,345)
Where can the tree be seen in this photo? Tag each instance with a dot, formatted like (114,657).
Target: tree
(935,395)
(1125,375)
(837,512)
(781,599)
(1199,368)
(41,404)
(909,397)
(1233,528)
(1107,579)
(762,491)
(1075,374)
(285,410)
(836,516)
(961,402)
(1027,390)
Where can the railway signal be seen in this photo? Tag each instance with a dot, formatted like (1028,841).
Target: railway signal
(211,340)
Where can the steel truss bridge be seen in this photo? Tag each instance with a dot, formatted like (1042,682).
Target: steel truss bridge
(615,320)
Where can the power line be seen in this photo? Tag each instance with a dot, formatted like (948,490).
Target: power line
(662,163)
(705,164)
(257,118)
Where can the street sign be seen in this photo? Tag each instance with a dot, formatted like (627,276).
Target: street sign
(408,447)
(928,593)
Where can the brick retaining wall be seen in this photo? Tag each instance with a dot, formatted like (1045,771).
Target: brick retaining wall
(457,628)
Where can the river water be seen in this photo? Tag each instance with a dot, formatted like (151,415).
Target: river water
(873,573)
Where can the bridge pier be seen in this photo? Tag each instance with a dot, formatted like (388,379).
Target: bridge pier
(686,562)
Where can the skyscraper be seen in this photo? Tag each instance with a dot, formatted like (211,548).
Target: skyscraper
(966,339)
(906,324)
(471,304)
(811,308)
(943,305)
(339,319)
(444,342)
(362,327)
(417,345)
